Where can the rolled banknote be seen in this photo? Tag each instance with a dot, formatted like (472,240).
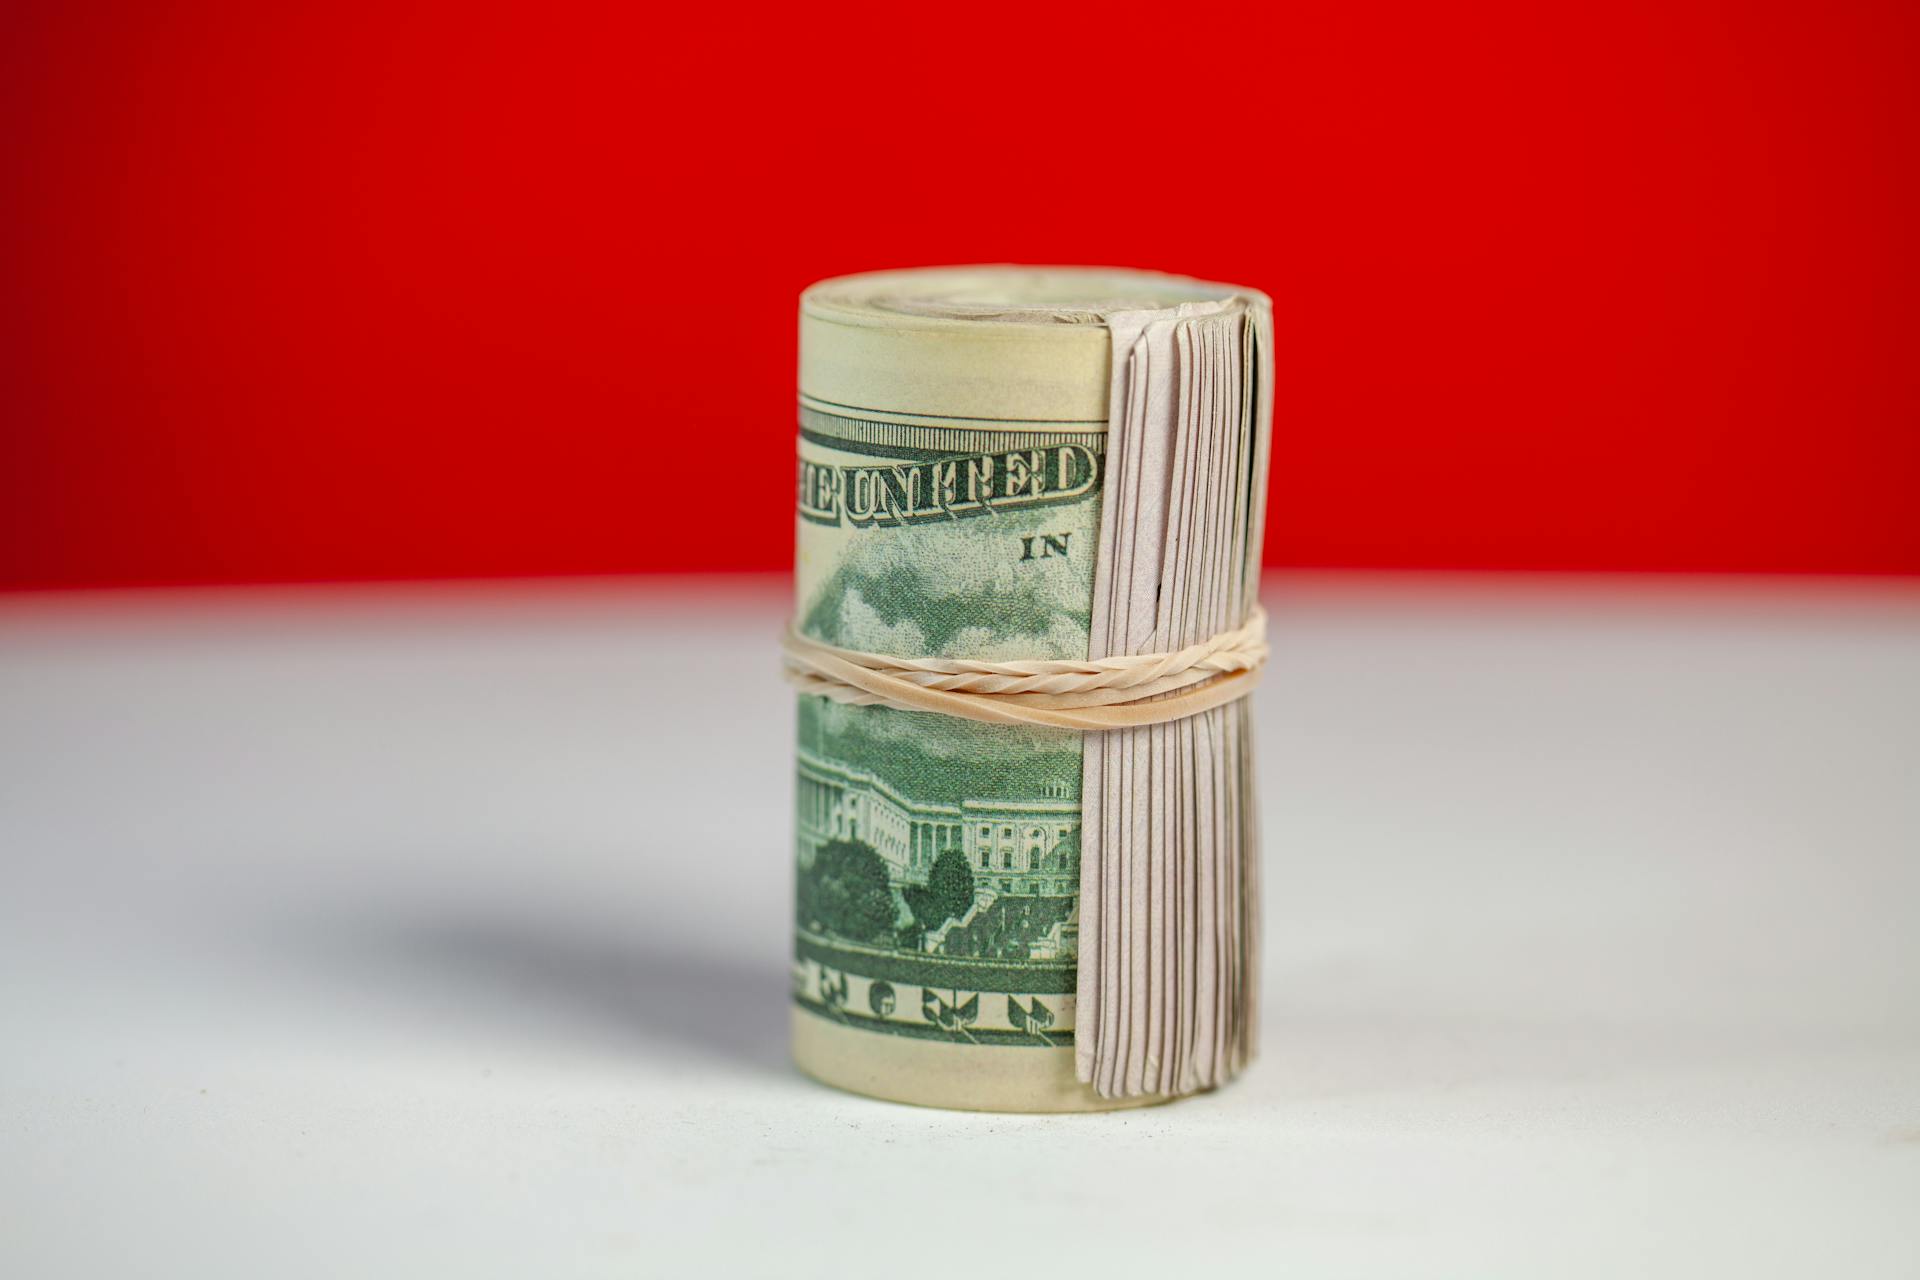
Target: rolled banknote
(1030,503)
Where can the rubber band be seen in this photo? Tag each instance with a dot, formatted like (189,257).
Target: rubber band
(1082,694)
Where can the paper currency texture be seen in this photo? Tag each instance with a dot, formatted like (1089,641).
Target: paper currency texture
(1025,463)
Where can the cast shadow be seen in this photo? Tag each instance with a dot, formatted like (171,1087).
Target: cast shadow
(541,976)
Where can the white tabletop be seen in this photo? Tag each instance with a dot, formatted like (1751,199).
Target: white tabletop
(443,931)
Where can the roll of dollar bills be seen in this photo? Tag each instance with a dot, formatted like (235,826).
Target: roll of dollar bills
(1030,506)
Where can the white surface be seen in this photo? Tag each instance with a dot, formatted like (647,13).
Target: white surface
(418,933)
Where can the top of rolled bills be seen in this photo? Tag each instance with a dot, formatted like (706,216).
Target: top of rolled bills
(1007,294)
(993,342)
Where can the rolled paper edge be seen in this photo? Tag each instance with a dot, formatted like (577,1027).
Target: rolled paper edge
(948,1076)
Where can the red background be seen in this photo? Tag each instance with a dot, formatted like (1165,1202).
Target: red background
(322,293)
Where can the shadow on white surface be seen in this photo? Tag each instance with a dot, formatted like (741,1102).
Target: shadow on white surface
(546,979)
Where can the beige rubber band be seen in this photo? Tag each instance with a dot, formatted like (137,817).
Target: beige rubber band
(1086,694)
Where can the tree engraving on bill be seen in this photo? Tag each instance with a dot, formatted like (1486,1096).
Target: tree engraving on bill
(939,859)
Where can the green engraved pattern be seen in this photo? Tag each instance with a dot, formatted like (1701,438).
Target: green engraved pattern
(939,859)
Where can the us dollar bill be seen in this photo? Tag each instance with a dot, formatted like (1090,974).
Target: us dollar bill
(950,488)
